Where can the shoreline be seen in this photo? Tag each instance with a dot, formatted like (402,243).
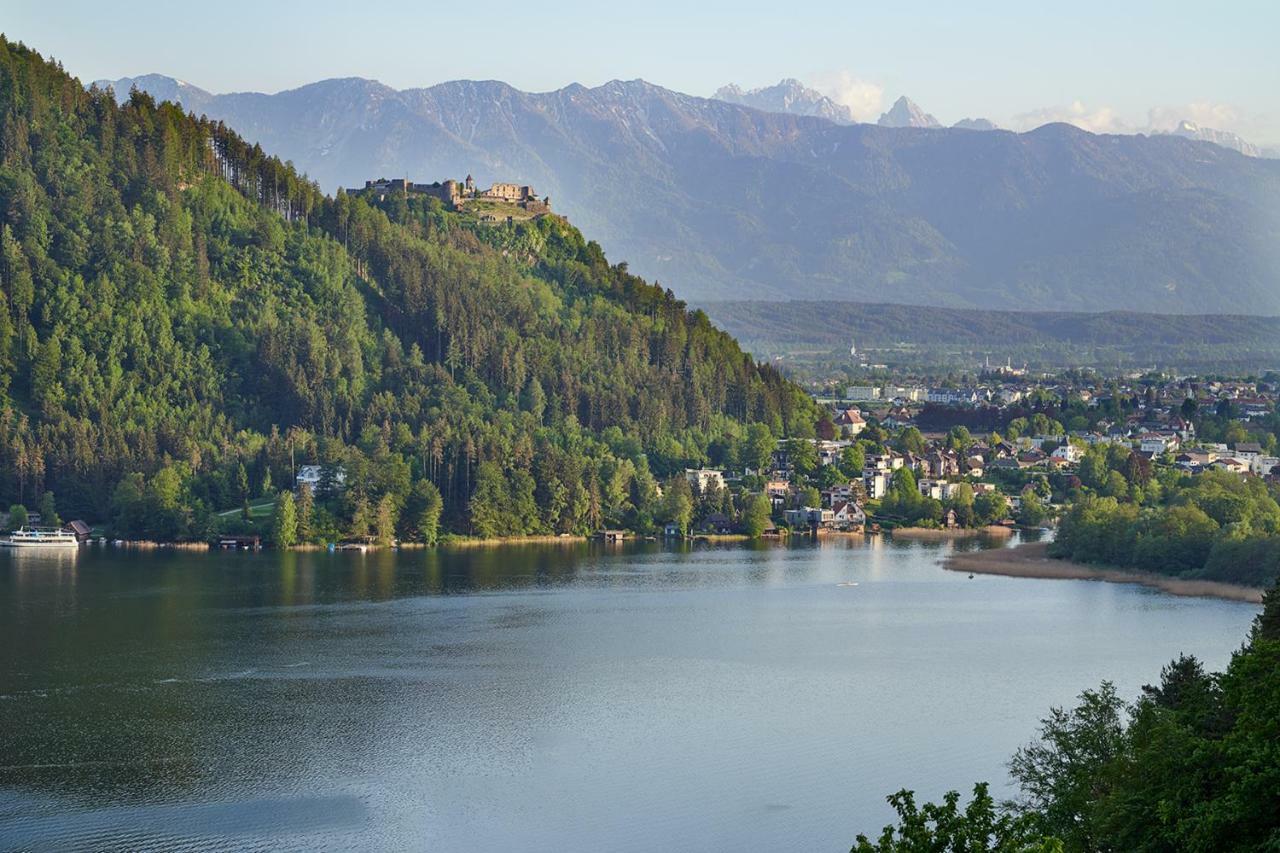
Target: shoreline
(950,532)
(1031,560)
(461,542)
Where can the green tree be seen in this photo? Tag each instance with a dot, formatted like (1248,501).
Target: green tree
(489,516)
(677,503)
(284,521)
(755,515)
(1116,486)
(429,519)
(306,509)
(1032,512)
(959,439)
(167,509)
(385,521)
(803,455)
(989,508)
(17,516)
(242,482)
(48,511)
(361,518)
(1060,773)
(910,440)
(852,460)
(980,828)
(757,453)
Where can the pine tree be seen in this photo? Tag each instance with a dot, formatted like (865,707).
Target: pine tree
(386,521)
(48,511)
(284,521)
(360,518)
(306,506)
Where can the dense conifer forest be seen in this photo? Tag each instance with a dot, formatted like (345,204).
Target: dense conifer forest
(186,320)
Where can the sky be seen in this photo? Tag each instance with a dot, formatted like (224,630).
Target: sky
(1106,66)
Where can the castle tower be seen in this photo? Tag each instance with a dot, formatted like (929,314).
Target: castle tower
(470,185)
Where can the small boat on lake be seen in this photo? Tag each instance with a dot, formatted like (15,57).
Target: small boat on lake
(41,537)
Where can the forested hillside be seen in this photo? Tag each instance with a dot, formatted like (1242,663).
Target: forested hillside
(185,319)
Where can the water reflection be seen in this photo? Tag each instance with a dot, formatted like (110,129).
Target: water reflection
(707,696)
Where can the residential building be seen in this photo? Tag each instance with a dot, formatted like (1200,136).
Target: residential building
(861,393)
(312,476)
(850,422)
(703,480)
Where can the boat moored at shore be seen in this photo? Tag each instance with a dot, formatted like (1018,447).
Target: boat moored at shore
(41,537)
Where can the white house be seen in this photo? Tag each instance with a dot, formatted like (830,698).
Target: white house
(1157,442)
(702,479)
(810,516)
(1067,452)
(876,484)
(935,489)
(312,475)
(1262,465)
(1247,451)
(846,514)
(1227,463)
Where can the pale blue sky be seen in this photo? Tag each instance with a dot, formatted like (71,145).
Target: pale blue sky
(1105,65)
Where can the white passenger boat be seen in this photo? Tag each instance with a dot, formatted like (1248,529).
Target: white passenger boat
(41,537)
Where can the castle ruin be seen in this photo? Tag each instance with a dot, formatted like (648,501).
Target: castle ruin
(457,194)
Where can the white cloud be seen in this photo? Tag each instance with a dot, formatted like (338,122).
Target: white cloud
(1203,113)
(863,97)
(1095,120)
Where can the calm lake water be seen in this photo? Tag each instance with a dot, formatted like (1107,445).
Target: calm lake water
(537,698)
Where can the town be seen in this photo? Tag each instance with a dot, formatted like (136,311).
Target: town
(1008,450)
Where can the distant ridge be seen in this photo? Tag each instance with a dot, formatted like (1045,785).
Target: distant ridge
(802,323)
(976,124)
(789,96)
(718,200)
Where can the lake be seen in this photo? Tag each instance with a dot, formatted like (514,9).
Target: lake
(549,698)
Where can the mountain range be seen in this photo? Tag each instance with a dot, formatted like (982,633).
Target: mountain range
(718,200)
(788,96)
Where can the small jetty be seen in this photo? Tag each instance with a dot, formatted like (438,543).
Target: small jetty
(240,542)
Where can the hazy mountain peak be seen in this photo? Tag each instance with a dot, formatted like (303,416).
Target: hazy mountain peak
(976,124)
(788,96)
(1188,129)
(907,113)
(160,87)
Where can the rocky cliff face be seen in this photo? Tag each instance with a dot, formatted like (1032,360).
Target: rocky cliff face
(907,113)
(789,96)
(1190,130)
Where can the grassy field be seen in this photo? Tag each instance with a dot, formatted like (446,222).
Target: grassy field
(258,509)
